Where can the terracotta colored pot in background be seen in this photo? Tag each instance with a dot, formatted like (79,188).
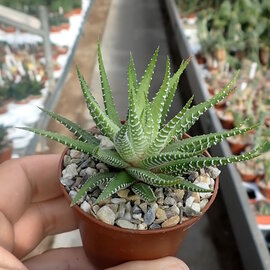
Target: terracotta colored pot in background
(264,190)
(106,245)
(261,219)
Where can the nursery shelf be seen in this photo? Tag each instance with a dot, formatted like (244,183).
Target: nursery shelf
(250,241)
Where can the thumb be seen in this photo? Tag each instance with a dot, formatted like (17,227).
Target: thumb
(167,263)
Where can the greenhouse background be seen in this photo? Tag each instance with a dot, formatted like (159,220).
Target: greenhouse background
(41,42)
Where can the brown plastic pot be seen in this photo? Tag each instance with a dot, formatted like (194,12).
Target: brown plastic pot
(107,246)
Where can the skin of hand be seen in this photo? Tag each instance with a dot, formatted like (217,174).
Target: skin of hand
(32,207)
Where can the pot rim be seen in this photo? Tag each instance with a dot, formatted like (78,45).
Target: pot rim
(187,223)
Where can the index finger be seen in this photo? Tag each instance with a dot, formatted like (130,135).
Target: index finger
(26,180)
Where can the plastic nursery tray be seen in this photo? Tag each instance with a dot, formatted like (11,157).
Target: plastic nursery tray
(251,244)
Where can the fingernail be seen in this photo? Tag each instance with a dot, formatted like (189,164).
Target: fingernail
(177,266)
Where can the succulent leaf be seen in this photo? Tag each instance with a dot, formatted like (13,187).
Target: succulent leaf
(91,183)
(171,93)
(186,185)
(80,133)
(203,142)
(104,123)
(192,164)
(72,143)
(194,113)
(151,178)
(133,75)
(110,157)
(167,132)
(135,129)
(123,144)
(106,91)
(144,191)
(120,181)
(162,158)
(149,125)
(144,85)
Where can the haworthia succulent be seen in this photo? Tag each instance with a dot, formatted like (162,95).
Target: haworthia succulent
(191,164)
(144,191)
(106,91)
(123,144)
(80,133)
(72,143)
(144,84)
(133,75)
(193,114)
(151,178)
(110,157)
(167,132)
(203,142)
(103,122)
(91,183)
(120,181)
(173,86)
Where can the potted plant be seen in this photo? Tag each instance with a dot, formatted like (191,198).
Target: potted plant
(262,211)
(5,145)
(137,185)
(264,184)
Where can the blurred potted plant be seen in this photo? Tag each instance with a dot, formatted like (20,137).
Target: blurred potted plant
(5,145)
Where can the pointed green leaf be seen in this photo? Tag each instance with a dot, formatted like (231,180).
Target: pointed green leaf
(194,113)
(135,129)
(149,125)
(120,181)
(203,142)
(80,133)
(167,132)
(123,144)
(144,191)
(133,75)
(110,157)
(72,143)
(192,164)
(144,85)
(104,123)
(109,104)
(151,178)
(163,158)
(91,183)
(186,185)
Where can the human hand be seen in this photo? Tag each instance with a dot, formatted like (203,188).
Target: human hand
(32,207)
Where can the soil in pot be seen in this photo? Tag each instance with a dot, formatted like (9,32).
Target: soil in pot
(124,227)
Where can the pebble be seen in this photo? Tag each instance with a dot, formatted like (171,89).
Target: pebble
(105,142)
(121,210)
(127,216)
(179,194)
(154,206)
(70,171)
(138,216)
(118,200)
(135,198)
(193,176)
(72,194)
(96,192)
(106,214)
(149,217)
(86,163)
(155,226)
(66,160)
(169,201)
(90,171)
(160,201)
(136,210)
(171,222)
(196,196)
(189,201)
(143,206)
(123,193)
(96,208)
(142,226)
(125,224)
(213,172)
(159,193)
(161,214)
(158,221)
(203,203)
(203,179)
(85,206)
(174,209)
(75,154)
(114,207)
(101,166)
(196,207)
